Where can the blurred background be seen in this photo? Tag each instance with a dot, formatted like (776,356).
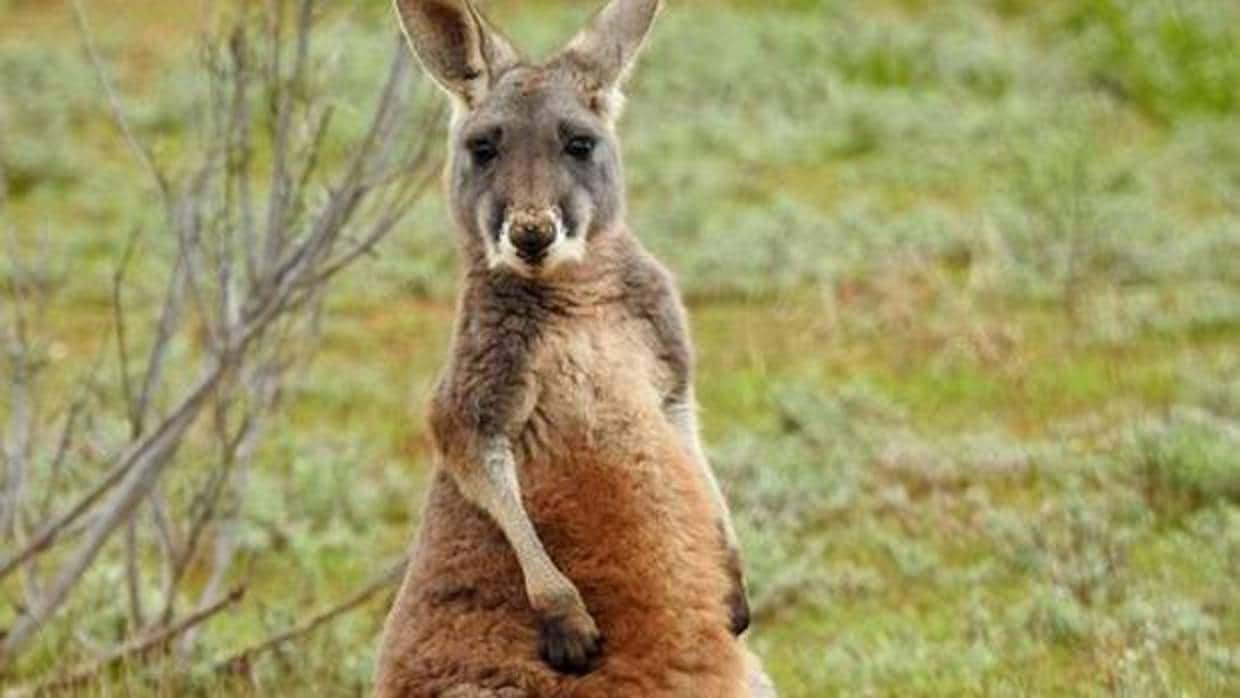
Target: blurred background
(965,286)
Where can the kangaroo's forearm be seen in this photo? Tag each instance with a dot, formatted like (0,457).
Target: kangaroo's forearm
(484,396)
(490,483)
(683,417)
(666,317)
(568,636)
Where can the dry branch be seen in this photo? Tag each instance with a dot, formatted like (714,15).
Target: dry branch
(139,648)
(242,662)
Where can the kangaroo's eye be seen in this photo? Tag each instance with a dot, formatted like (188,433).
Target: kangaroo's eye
(579,147)
(482,150)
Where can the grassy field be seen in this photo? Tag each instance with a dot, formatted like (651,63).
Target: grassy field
(965,284)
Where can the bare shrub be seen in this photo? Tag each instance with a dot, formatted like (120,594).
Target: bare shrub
(256,221)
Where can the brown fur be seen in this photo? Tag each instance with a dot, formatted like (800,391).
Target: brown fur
(573,523)
(614,495)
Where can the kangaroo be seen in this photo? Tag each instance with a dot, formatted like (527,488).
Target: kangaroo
(575,541)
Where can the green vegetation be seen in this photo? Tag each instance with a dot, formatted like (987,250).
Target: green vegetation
(965,279)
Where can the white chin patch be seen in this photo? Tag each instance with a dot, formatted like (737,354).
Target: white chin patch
(563,250)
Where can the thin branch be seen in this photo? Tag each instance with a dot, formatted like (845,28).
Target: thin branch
(241,662)
(237,450)
(165,535)
(68,432)
(114,103)
(169,320)
(148,462)
(50,533)
(311,155)
(241,149)
(140,648)
(284,86)
(121,329)
(133,582)
(188,229)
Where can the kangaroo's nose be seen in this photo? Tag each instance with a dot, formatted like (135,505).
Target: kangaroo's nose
(532,238)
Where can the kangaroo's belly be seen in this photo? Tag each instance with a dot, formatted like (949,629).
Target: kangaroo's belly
(636,538)
(636,534)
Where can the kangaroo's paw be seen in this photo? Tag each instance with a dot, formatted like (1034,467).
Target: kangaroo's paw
(570,642)
(738,610)
(737,599)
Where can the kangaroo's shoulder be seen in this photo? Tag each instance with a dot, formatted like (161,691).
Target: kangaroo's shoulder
(651,295)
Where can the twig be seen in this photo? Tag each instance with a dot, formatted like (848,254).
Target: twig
(147,462)
(133,580)
(241,662)
(114,103)
(50,533)
(165,530)
(138,648)
(68,432)
(169,320)
(16,443)
(236,451)
(120,327)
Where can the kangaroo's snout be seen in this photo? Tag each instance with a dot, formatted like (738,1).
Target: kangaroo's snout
(532,238)
(532,233)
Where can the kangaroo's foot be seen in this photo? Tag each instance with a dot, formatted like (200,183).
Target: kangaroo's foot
(570,642)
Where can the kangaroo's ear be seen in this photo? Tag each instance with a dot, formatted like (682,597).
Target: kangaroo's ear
(456,45)
(603,51)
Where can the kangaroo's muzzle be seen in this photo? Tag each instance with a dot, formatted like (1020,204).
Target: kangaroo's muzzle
(532,233)
(532,241)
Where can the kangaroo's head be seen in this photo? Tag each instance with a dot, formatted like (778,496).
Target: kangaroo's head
(534,171)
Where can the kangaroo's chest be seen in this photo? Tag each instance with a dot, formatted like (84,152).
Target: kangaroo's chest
(596,450)
(593,379)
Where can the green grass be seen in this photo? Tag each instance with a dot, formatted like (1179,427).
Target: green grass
(965,289)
